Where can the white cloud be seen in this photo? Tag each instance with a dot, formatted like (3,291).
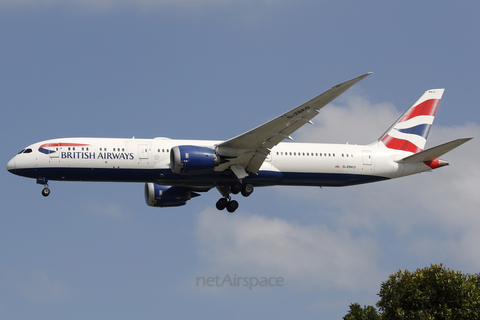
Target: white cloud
(434,214)
(312,257)
(445,201)
(357,122)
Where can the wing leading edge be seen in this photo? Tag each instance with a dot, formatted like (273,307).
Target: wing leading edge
(247,152)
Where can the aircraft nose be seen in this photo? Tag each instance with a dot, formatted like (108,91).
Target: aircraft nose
(11,165)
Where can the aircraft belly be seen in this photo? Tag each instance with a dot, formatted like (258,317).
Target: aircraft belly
(165,177)
(325,179)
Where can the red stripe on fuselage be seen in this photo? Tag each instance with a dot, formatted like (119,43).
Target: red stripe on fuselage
(63,144)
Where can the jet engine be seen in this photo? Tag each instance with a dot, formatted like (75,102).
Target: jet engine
(163,196)
(192,159)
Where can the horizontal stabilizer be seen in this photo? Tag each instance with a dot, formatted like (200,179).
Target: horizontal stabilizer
(435,152)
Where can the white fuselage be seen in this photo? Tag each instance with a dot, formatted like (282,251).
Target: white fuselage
(148,160)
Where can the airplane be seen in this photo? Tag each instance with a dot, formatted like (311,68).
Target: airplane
(174,171)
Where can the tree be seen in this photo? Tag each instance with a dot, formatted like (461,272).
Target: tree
(358,313)
(434,292)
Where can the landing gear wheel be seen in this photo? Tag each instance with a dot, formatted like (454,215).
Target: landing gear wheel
(247,190)
(222,204)
(232,206)
(45,192)
(236,188)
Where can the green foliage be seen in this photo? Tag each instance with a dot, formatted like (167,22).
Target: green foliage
(432,293)
(358,313)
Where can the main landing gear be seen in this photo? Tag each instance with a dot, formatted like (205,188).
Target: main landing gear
(227,202)
(46,190)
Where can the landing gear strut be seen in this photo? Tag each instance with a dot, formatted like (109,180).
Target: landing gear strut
(44,181)
(226,201)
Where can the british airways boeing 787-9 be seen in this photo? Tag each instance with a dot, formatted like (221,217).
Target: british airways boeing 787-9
(174,171)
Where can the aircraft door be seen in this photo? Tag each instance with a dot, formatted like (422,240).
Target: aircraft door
(143,151)
(367,157)
(54,151)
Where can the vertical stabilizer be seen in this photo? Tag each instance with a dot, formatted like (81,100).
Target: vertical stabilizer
(410,131)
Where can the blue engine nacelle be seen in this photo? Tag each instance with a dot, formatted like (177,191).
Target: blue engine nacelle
(192,159)
(163,196)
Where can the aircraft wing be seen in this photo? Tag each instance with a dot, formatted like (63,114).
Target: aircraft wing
(246,152)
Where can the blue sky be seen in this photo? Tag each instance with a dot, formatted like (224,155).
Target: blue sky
(212,70)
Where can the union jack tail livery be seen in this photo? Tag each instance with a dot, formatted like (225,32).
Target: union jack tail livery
(411,130)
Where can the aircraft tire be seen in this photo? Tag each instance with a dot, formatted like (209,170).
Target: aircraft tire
(236,188)
(221,204)
(45,192)
(232,206)
(247,190)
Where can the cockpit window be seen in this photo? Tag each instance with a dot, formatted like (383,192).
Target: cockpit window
(28,150)
(21,151)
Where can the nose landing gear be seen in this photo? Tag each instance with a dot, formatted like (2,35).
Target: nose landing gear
(226,201)
(44,181)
